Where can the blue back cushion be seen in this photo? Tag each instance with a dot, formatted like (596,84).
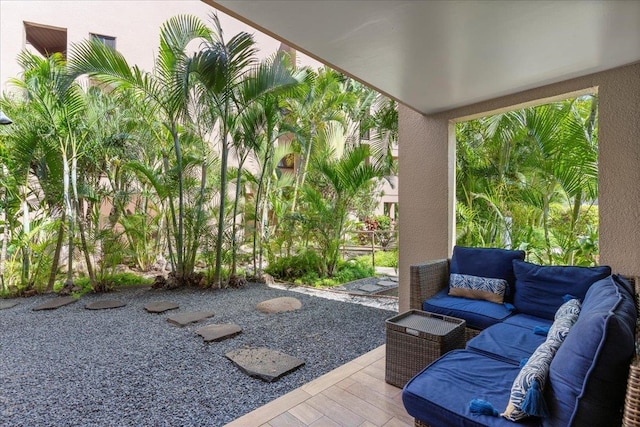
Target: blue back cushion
(540,290)
(588,375)
(485,262)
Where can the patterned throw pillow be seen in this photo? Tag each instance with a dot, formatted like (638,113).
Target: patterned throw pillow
(526,392)
(474,287)
(566,317)
(529,382)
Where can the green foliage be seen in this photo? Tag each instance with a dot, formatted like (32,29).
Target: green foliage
(135,173)
(383,259)
(306,269)
(290,268)
(528,179)
(112,281)
(346,271)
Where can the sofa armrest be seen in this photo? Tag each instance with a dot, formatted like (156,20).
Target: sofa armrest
(426,280)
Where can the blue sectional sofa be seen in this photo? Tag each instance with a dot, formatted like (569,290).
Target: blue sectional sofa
(555,352)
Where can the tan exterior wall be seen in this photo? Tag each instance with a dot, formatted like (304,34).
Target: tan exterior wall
(427,158)
(134,23)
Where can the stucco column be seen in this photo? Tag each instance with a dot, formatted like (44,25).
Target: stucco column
(619,168)
(426,169)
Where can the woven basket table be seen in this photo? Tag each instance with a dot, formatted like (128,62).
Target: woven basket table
(417,338)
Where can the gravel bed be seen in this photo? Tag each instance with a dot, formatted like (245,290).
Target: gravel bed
(127,367)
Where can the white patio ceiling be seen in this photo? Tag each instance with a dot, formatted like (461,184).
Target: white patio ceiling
(438,55)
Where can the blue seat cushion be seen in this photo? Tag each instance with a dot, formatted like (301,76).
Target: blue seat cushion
(588,375)
(527,321)
(507,343)
(540,289)
(479,314)
(440,394)
(486,262)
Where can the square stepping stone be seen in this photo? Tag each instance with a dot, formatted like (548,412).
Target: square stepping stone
(387,283)
(105,304)
(7,304)
(54,303)
(218,332)
(183,319)
(160,306)
(268,365)
(279,305)
(370,288)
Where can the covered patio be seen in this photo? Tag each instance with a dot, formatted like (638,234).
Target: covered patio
(447,62)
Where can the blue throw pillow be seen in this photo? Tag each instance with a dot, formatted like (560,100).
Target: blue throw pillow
(486,262)
(540,290)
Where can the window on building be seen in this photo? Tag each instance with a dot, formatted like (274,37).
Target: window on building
(46,39)
(106,40)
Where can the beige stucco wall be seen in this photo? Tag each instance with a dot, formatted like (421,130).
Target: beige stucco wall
(426,164)
(134,23)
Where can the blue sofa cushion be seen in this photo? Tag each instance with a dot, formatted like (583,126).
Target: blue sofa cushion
(527,321)
(440,395)
(479,314)
(587,378)
(507,343)
(485,262)
(540,290)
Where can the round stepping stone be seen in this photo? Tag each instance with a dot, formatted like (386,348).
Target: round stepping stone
(54,303)
(279,305)
(218,332)
(160,306)
(183,319)
(7,304)
(268,365)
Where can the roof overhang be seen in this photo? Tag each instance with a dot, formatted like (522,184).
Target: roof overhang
(438,55)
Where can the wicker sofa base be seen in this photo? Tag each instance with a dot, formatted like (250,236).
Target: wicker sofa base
(419,423)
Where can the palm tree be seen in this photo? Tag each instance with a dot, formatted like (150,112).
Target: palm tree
(330,202)
(232,82)
(167,89)
(321,103)
(57,106)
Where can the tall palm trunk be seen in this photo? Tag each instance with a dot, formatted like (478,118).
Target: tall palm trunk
(303,174)
(223,195)
(56,254)
(70,217)
(180,232)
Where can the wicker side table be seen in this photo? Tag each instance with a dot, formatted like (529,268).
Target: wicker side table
(417,338)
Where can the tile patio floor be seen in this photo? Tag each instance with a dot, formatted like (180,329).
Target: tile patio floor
(355,394)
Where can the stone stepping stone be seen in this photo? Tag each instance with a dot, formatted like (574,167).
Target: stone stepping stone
(183,319)
(387,283)
(268,365)
(105,304)
(7,304)
(218,332)
(370,288)
(279,305)
(160,306)
(54,303)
